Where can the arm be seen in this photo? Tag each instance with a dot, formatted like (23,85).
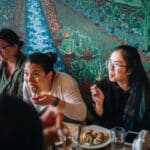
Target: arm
(74,108)
(74,104)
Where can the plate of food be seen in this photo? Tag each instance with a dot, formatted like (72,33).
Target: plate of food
(93,137)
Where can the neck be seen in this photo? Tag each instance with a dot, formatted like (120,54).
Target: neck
(124,85)
(10,67)
(11,61)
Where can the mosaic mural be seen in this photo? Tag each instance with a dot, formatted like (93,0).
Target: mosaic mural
(93,28)
(12,15)
(38,36)
(81,32)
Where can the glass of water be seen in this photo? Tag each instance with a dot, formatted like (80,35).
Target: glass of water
(117,138)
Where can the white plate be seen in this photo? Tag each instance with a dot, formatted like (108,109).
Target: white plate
(58,143)
(95,128)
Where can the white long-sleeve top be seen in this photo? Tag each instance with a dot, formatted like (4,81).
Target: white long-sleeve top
(65,88)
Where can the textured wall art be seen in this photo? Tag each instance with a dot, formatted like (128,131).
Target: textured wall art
(90,29)
(38,35)
(12,15)
(82,32)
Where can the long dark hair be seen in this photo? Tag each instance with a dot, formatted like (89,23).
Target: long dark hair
(140,85)
(45,60)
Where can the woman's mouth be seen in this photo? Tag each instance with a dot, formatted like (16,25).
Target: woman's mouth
(33,88)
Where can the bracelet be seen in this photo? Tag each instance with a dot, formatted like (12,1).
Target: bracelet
(56,101)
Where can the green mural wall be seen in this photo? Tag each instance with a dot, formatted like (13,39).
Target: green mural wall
(90,29)
(85,31)
(12,15)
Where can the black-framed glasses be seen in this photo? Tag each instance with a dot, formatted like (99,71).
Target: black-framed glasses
(4,47)
(114,64)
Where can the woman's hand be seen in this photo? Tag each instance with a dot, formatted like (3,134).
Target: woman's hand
(43,99)
(98,98)
(97,94)
(52,121)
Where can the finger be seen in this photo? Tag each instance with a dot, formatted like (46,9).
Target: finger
(59,118)
(65,130)
(49,130)
(43,98)
(50,135)
(39,97)
(93,92)
(93,86)
(48,118)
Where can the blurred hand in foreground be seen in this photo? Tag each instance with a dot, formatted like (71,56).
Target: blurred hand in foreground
(52,121)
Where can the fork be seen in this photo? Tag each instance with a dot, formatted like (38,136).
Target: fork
(78,137)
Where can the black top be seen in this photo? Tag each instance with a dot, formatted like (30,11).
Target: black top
(114,105)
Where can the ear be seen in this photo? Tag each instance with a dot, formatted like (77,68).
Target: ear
(49,75)
(16,46)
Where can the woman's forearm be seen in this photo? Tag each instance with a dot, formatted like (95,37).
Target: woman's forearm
(75,111)
(99,109)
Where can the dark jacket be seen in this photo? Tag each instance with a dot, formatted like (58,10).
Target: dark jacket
(114,106)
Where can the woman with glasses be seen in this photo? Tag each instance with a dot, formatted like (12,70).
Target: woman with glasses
(11,63)
(123,98)
(44,87)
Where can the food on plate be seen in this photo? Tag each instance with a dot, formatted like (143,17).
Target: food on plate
(86,137)
(89,137)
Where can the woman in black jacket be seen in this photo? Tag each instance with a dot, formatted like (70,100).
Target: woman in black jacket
(123,98)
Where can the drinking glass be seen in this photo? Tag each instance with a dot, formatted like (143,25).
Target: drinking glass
(117,138)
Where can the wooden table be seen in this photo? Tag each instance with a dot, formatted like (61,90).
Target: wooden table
(73,128)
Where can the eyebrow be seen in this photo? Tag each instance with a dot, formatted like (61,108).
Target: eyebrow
(34,70)
(117,61)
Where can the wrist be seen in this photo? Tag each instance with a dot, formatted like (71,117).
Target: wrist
(56,102)
(99,109)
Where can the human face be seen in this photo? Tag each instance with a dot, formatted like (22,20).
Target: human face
(117,68)
(36,78)
(7,51)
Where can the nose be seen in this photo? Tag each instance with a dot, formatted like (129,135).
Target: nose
(30,79)
(111,66)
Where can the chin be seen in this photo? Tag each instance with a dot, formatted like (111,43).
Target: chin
(112,79)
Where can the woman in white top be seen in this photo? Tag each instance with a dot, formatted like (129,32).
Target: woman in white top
(43,87)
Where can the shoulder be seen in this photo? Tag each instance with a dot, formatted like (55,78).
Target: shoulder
(64,77)
(65,80)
